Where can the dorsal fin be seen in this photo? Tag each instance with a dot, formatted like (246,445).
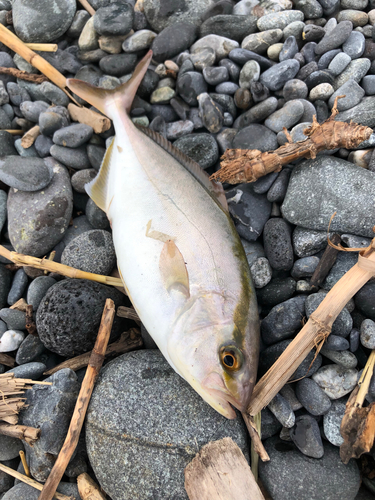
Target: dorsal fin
(214,188)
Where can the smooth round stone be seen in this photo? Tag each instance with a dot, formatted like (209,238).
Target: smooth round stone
(278,290)
(31,110)
(142,385)
(322,91)
(31,348)
(339,63)
(317,77)
(118,64)
(368,84)
(277,192)
(96,217)
(255,136)
(173,40)
(312,397)
(308,367)
(269,425)
(306,436)
(141,40)
(26,174)
(342,324)
(334,38)
(9,447)
(286,117)
(19,284)
(336,343)
(282,410)
(289,50)
(73,136)
(276,77)
(232,67)
(82,177)
(228,88)
(190,85)
(295,89)
(274,50)
(279,20)
(162,95)
(256,114)
(214,76)
(210,114)
(354,45)
(332,422)
(231,26)
(261,272)
(45,21)
(308,52)
(22,491)
(240,56)
(250,72)
(115,19)
(92,251)
(11,339)
(326,58)
(31,371)
(54,94)
(25,152)
(353,95)
(313,33)
(304,267)
(278,245)
(80,225)
(42,145)
(203,58)
(283,320)
(95,155)
(201,148)
(336,381)
(31,229)
(3,208)
(221,45)
(368,334)
(15,319)
(259,42)
(49,123)
(354,340)
(263,184)
(356,17)
(71,157)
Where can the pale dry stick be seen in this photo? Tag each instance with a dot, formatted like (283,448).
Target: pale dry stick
(43,47)
(54,267)
(76,423)
(315,330)
(29,138)
(24,463)
(7,360)
(364,381)
(87,6)
(28,434)
(20,305)
(30,482)
(128,312)
(253,450)
(256,442)
(13,131)
(87,116)
(88,489)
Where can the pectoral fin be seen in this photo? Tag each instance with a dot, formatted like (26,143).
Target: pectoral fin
(173,269)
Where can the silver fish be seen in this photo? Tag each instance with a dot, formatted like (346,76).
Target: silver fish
(179,255)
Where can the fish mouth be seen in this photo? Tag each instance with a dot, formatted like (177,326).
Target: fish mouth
(221,398)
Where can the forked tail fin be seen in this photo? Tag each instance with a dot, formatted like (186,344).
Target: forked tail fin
(121,97)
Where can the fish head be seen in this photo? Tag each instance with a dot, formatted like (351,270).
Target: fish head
(214,356)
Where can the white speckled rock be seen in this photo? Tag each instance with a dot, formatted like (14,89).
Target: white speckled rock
(11,340)
(335,380)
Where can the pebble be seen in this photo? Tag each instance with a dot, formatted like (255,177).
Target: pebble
(276,77)
(259,42)
(9,447)
(82,177)
(357,17)
(335,380)
(178,129)
(353,95)
(289,50)
(31,110)
(312,397)
(73,136)
(332,422)
(278,244)
(282,410)
(283,320)
(221,45)
(278,290)
(190,85)
(279,20)
(71,157)
(153,428)
(344,262)
(26,174)
(31,347)
(312,32)
(304,267)
(368,334)
(173,40)
(19,284)
(306,436)
(345,359)
(355,70)
(326,58)
(231,26)
(354,45)
(214,76)
(322,91)
(49,123)
(257,113)
(286,117)
(354,340)
(33,370)
(273,51)
(368,84)
(261,272)
(118,64)
(263,184)
(240,56)
(255,137)
(5,280)
(114,19)
(249,73)
(11,339)
(68,316)
(335,38)
(337,343)
(339,63)
(54,94)
(343,323)
(201,148)
(22,491)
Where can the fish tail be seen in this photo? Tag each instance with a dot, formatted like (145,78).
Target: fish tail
(109,101)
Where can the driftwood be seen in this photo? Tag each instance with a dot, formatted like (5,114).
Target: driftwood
(20,305)
(7,360)
(54,267)
(129,341)
(29,138)
(87,116)
(23,75)
(13,131)
(31,482)
(92,372)
(256,442)
(315,331)
(326,262)
(248,165)
(85,4)
(43,47)
(358,424)
(128,312)
(30,323)
(220,472)
(28,434)
(88,489)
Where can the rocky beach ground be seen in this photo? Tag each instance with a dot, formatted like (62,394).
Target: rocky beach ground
(224,74)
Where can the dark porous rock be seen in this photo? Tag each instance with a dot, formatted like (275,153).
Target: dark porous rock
(9,447)
(201,148)
(32,347)
(231,26)
(190,85)
(138,411)
(284,476)
(33,370)
(118,64)
(257,113)
(26,174)
(96,217)
(306,436)
(173,40)
(276,77)
(283,320)
(37,290)
(5,284)
(44,21)
(278,290)
(312,397)
(343,323)
(92,252)
(114,20)
(365,300)
(71,157)
(73,136)
(363,113)
(278,244)
(331,185)
(19,284)
(38,220)
(334,38)
(250,212)
(255,137)
(68,316)
(47,405)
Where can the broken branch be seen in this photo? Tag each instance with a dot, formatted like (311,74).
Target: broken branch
(87,116)
(326,262)
(7,360)
(88,489)
(23,75)
(28,434)
(29,138)
(87,6)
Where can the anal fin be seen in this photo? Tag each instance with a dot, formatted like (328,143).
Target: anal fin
(173,269)
(97,189)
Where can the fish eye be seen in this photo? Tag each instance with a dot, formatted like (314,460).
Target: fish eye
(231,358)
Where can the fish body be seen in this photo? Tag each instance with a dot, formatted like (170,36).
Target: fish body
(179,256)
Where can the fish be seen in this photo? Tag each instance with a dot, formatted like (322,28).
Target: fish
(178,253)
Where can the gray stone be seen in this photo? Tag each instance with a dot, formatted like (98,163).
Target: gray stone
(354,45)
(203,57)
(255,137)
(343,323)
(231,26)
(353,93)
(282,410)
(269,424)
(355,70)
(278,290)
(278,244)
(173,40)
(368,84)
(9,447)
(344,261)
(15,320)
(286,117)
(327,57)
(80,19)
(337,343)
(118,64)
(18,287)
(336,381)
(42,22)
(95,155)
(368,334)
(259,42)
(214,76)
(96,217)
(141,40)
(72,327)
(201,148)
(250,72)
(261,272)
(276,77)
(346,359)
(295,89)
(79,226)
(115,19)
(312,397)
(73,136)
(6,144)
(357,17)
(306,436)
(71,157)
(178,129)
(31,370)
(25,152)
(82,177)
(31,347)
(253,251)
(37,290)
(5,283)
(335,38)
(289,50)
(22,491)
(257,113)
(190,85)
(339,180)
(279,20)
(158,436)
(92,252)
(54,94)
(305,267)
(221,45)
(332,422)
(283,320)
(210,113)
(26,174)
(363,113)
(49,123)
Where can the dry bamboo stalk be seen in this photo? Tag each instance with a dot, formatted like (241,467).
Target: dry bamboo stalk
(7,360)
(92,372)
(220,472)
(256,441)
(54,267)
(88,489)
(24,463)
(315,330)
(28,434)
(87,6)
(248,165)
(29,138)
(128,312)
(43,47)
(30,482)
(13,131)
(129,341)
